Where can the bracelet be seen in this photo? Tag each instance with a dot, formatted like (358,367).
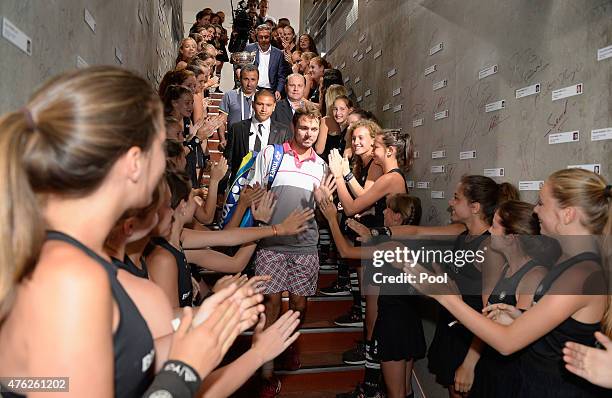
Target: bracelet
(349,176)
(274,230)
(176,378)
(381,231)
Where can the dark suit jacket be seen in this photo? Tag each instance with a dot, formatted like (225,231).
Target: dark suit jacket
(277,69)
(238,142)
(283,113)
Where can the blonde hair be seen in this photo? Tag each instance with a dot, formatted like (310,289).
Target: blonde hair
(66,140)
(592,194)
(334,91)
(179,56)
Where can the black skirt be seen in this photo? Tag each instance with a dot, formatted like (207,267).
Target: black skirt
(398,329)
(448,348)
(496,375)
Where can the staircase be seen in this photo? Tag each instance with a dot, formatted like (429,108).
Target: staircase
(321,343)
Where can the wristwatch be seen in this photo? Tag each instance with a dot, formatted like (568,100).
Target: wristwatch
(380,231)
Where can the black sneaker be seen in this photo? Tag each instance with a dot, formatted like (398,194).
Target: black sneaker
(353,318)
(356,355)
(358,392)
(336,290)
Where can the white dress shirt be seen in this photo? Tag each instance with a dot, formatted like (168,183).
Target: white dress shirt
(265,133)
(263,67)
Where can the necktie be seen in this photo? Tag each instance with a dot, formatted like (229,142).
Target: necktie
(257,147)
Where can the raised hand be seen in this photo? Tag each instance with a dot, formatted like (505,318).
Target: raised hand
(335,163)
(501,313)
(590,363)
(346,167)
(193,128)
(218,169)
(210,304)
(295,222)
(227,280)
(211,124)
(270,343)
(325,190)
(204,346)
(361,230)
(265,208)
(250,195)
(328,208)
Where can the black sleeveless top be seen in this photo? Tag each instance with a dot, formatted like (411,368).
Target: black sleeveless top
(549,347)
(134,353)
(334,142)
(128,265)
(467,276)
(505,289)
(185,292)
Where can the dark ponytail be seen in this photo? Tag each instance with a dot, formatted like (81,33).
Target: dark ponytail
(483,190)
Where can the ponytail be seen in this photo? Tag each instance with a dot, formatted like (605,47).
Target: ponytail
(483,190)
(66,141)
(21,230)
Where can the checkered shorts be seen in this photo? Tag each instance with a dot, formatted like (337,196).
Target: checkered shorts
(296,273)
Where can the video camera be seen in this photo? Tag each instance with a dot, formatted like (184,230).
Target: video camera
(242,26)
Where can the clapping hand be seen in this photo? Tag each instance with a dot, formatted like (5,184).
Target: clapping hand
(265,208)
(335,163)
(271,342)
(218,170)
(328,208)
(295,222)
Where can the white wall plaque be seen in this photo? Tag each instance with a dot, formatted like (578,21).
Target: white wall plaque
(362,37)
(13,34)
(347,79)
(467,155)
(89,19)
(343,65)
(368,49)
(357,79)
(594,167)
(604,53)
(410,184)
(360,57)
(495,106)
(423,184)
(530,185)
(438,154)
(355,53)
(438,169)
(392,72)
(440,84)
(367,93)
(529,90)
(417,154)
(569,91)
(417,122)
(397,91)
(377,54)
(437,48)
(359,99)
(441,115)
(499,172)
(386,107)
(397,108)
(561,138)
(601,134)
(431,69)
(491,70)
(437,194)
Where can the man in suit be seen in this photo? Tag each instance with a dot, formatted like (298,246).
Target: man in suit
(255,133)
(285,108)
(270,61)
